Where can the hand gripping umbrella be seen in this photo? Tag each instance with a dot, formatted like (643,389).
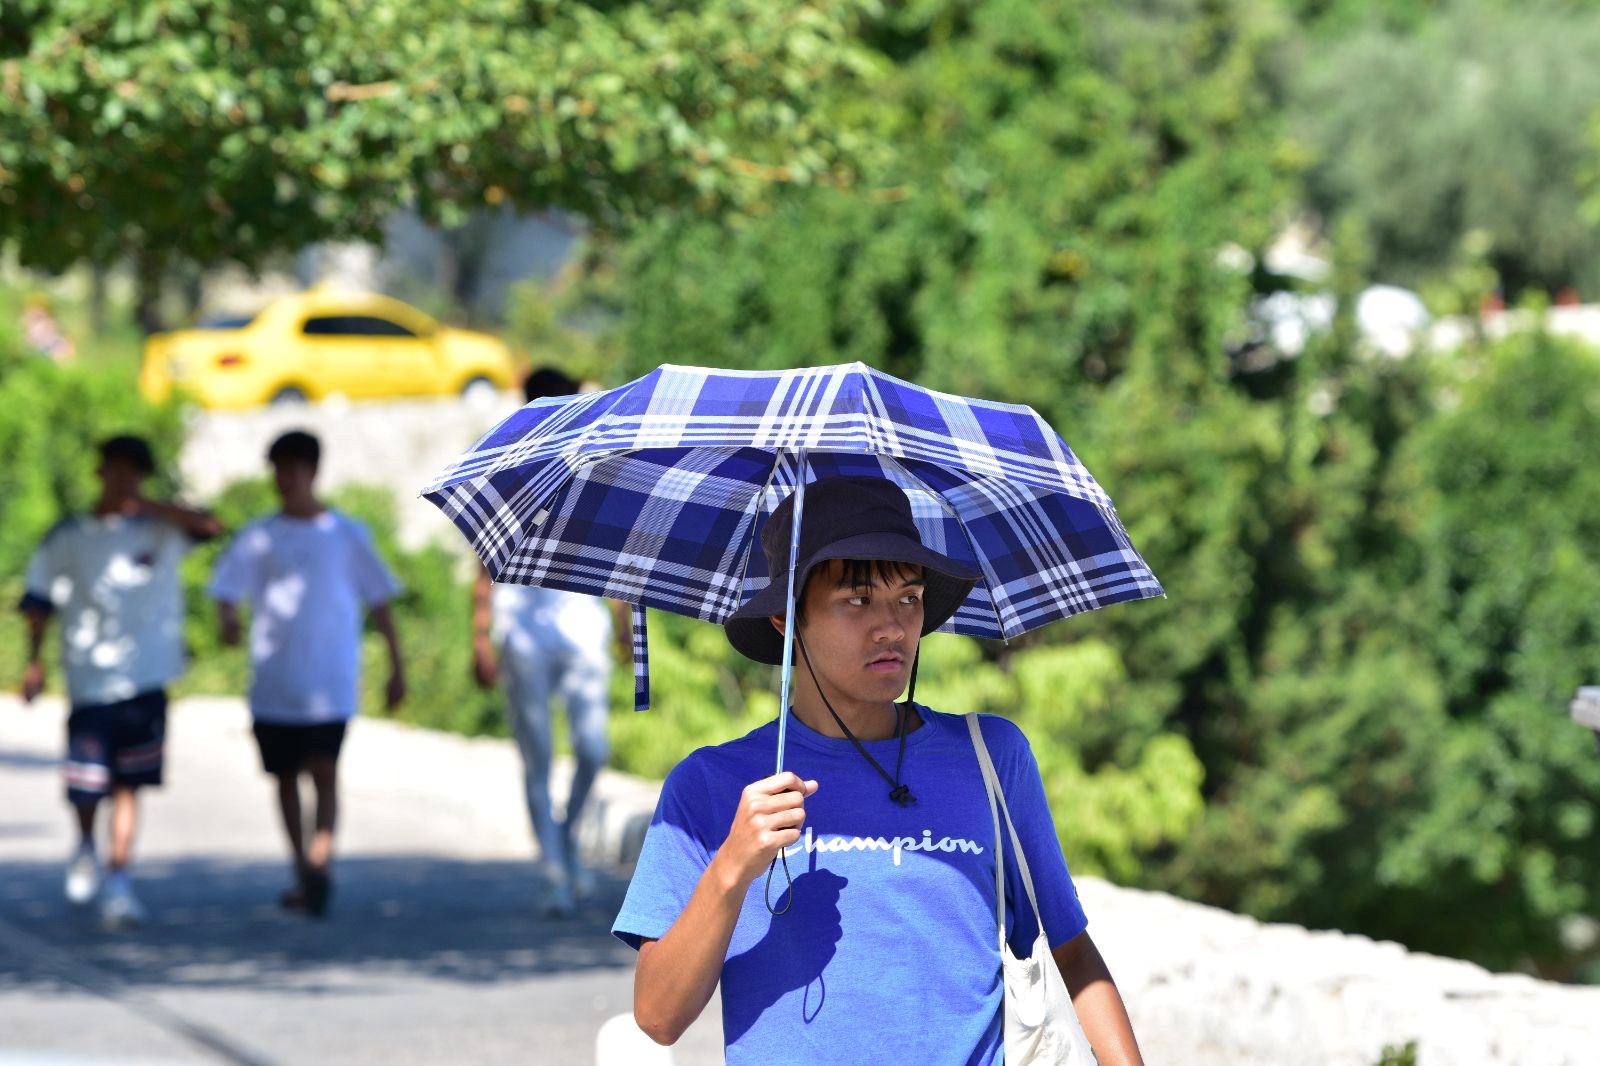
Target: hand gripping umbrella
(654,493)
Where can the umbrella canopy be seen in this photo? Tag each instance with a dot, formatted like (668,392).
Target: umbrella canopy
(654,492)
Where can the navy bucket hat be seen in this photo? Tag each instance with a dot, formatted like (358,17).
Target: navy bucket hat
(866,518)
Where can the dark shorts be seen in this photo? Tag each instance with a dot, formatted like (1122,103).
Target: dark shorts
(285,748)
(111,744)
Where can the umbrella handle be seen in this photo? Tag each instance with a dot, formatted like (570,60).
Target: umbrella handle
(788,616)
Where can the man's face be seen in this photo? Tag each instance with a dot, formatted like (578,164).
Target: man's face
(293,478)
(118,477)
(862,635)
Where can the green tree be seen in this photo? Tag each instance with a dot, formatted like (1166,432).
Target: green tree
(1477,121)
(1510,571)
(200,130)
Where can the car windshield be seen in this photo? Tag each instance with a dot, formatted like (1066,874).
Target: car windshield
(225,321)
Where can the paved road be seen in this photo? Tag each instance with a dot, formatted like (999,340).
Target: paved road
(433,952)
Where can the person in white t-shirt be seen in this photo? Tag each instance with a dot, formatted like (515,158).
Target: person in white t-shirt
(544,644)
(310,575)
(112,577)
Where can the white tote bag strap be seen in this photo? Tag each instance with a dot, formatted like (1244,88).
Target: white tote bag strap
(997,807)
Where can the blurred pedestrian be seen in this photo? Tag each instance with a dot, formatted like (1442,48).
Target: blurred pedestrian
(43,334)
(112,576)
(309,575)
(543,644)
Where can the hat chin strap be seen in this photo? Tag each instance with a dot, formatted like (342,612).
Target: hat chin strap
(899,791)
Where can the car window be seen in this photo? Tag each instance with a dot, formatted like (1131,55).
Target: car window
(225,322)
(354,326)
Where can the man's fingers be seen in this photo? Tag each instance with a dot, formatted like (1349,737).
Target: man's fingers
(782,819)
(787,781)
(778,784)
(783,801)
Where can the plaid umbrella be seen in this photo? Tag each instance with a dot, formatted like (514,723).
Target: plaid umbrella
(654,493)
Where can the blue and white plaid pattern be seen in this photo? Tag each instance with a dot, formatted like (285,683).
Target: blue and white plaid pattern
(654,492)
(641,658)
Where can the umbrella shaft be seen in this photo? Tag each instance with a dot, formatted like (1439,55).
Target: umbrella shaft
(788,615)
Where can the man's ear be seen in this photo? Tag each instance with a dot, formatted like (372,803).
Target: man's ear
(777,622)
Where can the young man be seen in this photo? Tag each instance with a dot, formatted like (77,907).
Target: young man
(545,644)
(112,575)
(309,574)
(884,945)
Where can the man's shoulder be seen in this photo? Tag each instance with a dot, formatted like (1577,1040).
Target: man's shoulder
(998,729)
(732,758)
(1001,735)
(258,532)
(62,532)
(348,525)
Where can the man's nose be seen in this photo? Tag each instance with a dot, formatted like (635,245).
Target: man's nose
(889,623)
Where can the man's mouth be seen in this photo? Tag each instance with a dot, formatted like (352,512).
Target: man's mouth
(887,661)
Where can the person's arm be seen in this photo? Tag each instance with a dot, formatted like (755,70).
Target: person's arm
(228,623)
(383,622)
(622,628)
(33,674)
(676,975)
(1099,1005)
(199,525)
(485,670)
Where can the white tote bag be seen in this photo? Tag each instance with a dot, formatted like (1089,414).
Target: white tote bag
(1041,1026)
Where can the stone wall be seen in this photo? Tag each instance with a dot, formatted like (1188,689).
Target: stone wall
(399,446)
(1209,987)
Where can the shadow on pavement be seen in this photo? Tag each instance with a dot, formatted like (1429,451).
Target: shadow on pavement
(214,923)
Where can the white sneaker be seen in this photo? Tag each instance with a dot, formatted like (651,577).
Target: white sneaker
(83,876)
(119,907)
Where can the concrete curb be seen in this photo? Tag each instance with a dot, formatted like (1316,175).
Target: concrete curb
(611,830)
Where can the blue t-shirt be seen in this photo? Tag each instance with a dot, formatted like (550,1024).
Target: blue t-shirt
(888,950)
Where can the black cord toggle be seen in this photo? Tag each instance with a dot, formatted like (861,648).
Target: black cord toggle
(902,795)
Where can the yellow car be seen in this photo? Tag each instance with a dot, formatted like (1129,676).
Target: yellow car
(321,343)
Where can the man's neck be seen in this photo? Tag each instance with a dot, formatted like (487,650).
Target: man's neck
(310,507)
(111,503)
(868,721)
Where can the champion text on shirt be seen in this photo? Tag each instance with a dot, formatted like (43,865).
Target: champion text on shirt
(894,845)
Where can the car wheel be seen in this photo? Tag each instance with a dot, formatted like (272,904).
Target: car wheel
(480,392)
(288,396)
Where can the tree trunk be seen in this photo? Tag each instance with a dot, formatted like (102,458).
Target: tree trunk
(97,298)
(150,269)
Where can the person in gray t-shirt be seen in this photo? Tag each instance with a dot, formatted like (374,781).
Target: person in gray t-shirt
(110,578)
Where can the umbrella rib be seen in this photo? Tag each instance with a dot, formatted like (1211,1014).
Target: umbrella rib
(761,492)
(989,576)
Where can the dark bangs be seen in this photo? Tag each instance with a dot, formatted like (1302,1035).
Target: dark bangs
(858,573)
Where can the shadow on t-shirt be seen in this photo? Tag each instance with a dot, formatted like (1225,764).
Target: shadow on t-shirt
(796,950)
